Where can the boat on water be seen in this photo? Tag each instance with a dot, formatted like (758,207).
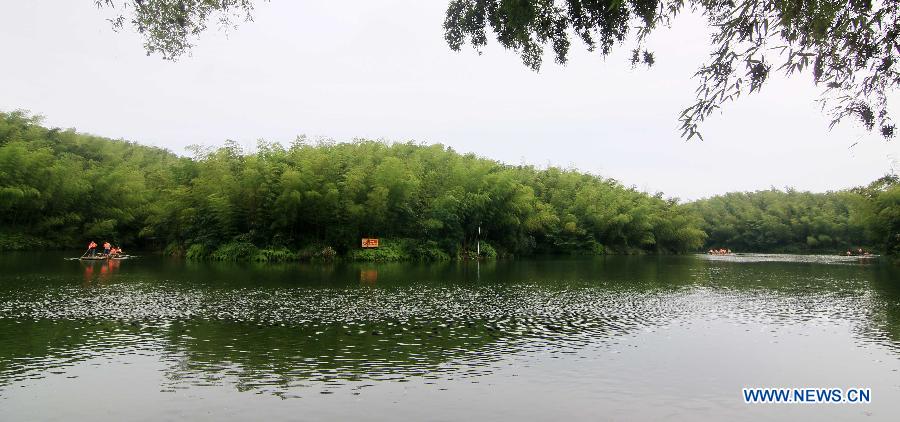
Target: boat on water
(103,257)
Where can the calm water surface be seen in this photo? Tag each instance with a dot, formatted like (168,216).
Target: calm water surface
(612,338)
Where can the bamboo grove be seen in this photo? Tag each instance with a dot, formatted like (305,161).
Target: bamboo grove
(316,200)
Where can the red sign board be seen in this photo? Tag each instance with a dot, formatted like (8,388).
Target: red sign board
(369,243)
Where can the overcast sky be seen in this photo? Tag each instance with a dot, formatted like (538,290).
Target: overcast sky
(381,70)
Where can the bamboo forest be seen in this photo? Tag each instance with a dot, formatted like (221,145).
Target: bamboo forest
(314,200)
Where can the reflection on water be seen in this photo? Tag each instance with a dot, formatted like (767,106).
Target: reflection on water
(99,271)
(295,330)
(368,276)
(821,259)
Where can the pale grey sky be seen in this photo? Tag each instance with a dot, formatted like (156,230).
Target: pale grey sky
(381,69)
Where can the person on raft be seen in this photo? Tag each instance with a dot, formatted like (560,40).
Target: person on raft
(92,248)
(106,248)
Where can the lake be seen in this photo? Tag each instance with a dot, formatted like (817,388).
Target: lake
(606,338)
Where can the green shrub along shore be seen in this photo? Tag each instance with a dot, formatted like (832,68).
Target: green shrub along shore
(390,250)
(315,201)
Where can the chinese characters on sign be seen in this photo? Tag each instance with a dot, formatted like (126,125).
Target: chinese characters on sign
(369,243)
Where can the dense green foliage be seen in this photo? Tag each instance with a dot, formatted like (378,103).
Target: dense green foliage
(59,188)
(792,221)
(786,221)
(315,201)
(879,207)
(62,188)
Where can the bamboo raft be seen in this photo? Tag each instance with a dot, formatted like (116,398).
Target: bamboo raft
(103,258)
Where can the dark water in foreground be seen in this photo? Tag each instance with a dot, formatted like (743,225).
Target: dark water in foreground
(614,338)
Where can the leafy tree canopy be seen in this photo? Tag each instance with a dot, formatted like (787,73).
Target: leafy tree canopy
(62,188)
(170,26)
(849,47)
